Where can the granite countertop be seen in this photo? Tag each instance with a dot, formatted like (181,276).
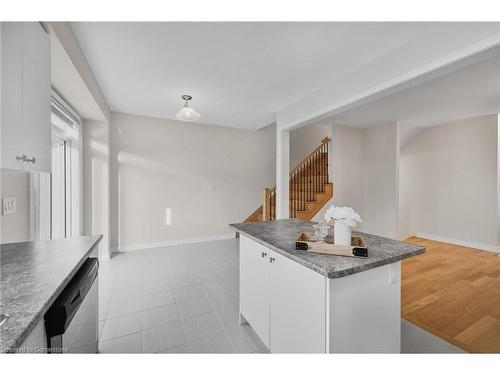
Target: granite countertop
(33,274)
(280,236)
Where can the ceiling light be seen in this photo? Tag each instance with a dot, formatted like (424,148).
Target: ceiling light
(186,113)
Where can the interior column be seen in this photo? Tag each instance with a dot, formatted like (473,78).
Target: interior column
(282,173)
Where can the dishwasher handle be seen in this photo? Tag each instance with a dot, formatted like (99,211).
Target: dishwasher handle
(77,298)
(62,311)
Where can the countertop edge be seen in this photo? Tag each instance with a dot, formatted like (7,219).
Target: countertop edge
(280,251)
(398,258)
(14,344)
(334,274)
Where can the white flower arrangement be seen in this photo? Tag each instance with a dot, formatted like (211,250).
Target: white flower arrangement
(345,215)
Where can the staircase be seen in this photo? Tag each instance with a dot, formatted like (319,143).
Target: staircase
(310,188)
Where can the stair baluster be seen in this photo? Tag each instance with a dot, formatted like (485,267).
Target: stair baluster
(307,180)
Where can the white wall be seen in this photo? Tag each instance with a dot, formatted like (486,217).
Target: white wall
(498,182)
(207,176)
(16,227)
(380,180)
(365,176)
(95,185)
(448,182)
(347,170)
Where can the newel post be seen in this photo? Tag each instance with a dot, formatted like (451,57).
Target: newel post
(266,205)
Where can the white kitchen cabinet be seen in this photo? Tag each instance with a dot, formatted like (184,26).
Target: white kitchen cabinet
(254,284)
(365,311)
(36,96)
(298,311)
(283,301)
(25,97)
(294,309)
(12,97)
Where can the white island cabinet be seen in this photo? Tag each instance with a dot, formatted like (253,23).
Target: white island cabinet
(295,309)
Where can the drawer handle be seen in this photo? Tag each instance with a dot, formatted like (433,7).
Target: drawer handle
(263,254)
(271,260)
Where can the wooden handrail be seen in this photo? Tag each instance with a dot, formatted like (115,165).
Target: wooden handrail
(306,180)
(303,162)
(323,141)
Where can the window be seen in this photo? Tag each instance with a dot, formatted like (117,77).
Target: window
(65,176)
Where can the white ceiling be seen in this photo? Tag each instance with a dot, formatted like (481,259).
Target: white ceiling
(471,91)
(239,74)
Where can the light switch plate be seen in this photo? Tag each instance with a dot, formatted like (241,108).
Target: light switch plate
(8,206)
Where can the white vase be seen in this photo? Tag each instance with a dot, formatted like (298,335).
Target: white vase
(342,234)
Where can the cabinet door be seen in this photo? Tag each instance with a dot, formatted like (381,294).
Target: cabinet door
(254,286)
(298,307)
(36,342)
(12,95)
(36,96)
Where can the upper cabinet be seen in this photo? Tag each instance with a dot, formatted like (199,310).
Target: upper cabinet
(12,94)
(25,97)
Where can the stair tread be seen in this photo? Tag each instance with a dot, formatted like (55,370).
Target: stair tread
(308,191)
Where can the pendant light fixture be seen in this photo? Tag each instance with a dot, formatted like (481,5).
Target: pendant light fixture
(186,113)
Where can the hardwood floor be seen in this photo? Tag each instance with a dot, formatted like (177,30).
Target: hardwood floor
(454,292)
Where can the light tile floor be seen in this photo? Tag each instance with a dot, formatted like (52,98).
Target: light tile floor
(184,299)
(179,299)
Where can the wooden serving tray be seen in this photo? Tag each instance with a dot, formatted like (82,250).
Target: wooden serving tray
(357,248)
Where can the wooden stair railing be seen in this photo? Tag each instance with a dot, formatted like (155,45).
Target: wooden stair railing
(310,188)
(269,204)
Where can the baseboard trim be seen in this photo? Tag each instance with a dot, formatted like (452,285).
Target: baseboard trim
(154,245)
(454,241)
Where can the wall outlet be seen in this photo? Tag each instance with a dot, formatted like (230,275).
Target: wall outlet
(8,206)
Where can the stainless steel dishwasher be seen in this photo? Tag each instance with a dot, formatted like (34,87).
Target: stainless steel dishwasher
(71,322)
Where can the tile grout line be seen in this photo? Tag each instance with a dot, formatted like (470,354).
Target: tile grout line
(197,284)
(213,311)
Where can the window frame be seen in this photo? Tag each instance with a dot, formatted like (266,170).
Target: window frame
(66,127)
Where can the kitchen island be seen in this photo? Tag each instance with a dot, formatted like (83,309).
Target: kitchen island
(300,302)
(33,275)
